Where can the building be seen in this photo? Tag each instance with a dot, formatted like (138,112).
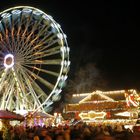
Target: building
(109,105)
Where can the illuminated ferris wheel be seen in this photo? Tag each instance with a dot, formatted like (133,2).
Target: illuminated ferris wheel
(34,60)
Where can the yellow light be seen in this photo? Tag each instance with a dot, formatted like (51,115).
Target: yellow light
(38,61)
(104,94)
(92,115)
(1,125)
(80,95)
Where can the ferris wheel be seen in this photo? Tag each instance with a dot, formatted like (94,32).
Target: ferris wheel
(34,60)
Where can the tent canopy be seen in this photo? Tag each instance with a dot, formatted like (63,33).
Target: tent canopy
(5,114)
(39,115)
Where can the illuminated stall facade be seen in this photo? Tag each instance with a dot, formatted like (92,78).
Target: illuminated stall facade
(108,105)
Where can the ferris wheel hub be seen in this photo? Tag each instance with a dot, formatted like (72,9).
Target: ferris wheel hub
(8,61)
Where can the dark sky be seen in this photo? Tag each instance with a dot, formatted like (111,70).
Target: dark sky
(101,32)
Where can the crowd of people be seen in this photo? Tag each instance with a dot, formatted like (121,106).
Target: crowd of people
(80,131)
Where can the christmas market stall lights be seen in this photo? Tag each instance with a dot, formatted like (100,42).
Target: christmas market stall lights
(106,105)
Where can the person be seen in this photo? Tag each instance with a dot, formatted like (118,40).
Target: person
(42,135)
(1,135)
(48,137)
(59,137)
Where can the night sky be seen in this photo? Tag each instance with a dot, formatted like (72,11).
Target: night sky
(102,32)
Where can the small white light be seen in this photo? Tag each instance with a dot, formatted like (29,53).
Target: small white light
(16,12)
(60,36)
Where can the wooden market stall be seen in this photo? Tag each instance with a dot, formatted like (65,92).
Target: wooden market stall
(119,104)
